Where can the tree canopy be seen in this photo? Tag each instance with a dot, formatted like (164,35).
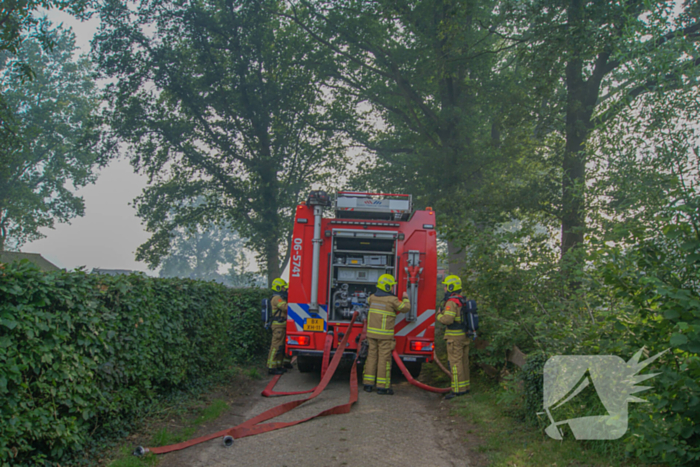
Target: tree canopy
(223,101)
(212,254)
(441,101)
(55,137)
(602,56)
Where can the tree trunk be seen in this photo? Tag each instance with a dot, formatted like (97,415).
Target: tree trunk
(3,237)
(573,220)
(579,109)
(456,257)
(272,258)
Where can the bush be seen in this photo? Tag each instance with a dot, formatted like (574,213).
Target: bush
(80,353)
(641,291)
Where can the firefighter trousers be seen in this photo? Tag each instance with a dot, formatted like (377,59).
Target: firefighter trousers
(458,355)
(277,356)
(378,364)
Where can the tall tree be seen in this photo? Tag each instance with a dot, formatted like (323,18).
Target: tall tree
(19,21)
(213,254)
(219,100)
(439,118)
(605,55)
(53,149)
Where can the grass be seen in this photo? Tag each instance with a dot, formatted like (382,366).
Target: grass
(185,406)
(508,442)
(211,412)
(253,373)
(166,436)
(127,459)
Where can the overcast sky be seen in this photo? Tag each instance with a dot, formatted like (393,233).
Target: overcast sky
(109,233)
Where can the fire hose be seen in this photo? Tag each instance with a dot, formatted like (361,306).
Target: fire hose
(269,390)
(255,426)
(412,380)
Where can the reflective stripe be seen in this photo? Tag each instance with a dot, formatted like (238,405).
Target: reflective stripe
(388,375)
(454,332)
(370,377)
(455,375)
(451,313)
(382,312)
(271,362)
(404,302)
(384,332)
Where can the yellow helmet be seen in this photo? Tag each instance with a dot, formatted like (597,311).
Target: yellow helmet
(279,284)
(386,282)
(453,283)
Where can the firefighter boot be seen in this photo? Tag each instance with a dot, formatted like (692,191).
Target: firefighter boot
(452,395)
(368,388)
(275,371)
(385,392)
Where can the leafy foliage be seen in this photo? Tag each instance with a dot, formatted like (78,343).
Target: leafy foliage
(83,353)
(443,121)
(19,21)
(53,148)
(228,106)
(596,53)
(639,286)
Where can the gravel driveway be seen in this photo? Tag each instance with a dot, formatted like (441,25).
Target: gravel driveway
(407,429)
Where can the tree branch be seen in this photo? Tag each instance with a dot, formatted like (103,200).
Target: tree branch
(648,86)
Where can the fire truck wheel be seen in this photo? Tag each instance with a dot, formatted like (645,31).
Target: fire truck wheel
(306,364)
(412,367)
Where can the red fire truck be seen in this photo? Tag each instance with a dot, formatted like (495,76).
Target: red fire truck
(334,267)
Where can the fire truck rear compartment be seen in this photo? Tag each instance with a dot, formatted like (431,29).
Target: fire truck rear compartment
(358,259)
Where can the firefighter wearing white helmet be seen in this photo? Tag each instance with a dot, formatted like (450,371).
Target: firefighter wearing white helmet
(383,307)
(455,336)
(278,360)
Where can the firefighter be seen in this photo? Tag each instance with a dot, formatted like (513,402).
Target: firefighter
(383,307)
(278,361)
(455,337)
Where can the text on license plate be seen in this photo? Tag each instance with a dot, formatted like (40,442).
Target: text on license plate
(313,324)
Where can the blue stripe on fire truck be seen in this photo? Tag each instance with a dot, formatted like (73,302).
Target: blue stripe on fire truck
(299,312)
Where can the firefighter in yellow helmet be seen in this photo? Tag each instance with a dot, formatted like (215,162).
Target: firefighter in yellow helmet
(278,360)
(383,307)
(455,336)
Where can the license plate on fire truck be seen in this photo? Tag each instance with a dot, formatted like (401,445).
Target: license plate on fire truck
(313,324)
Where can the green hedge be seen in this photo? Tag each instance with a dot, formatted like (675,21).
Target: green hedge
(82,353)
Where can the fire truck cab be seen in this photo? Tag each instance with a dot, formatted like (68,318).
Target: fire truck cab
(335,264)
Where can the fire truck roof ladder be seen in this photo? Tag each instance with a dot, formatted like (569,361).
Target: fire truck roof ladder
(380,206)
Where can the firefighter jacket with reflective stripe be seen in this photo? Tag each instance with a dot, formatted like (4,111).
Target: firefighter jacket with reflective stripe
(279,310)
(452,318)
(383,308)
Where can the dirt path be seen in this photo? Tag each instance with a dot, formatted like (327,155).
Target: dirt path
(407,429)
